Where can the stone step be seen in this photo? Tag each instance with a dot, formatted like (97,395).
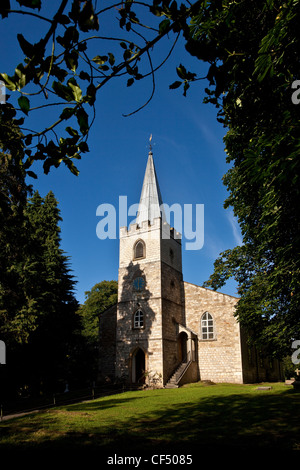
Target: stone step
(172,382)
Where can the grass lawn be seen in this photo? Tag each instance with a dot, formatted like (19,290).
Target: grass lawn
(194,418)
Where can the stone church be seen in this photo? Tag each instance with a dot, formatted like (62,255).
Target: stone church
(164,331)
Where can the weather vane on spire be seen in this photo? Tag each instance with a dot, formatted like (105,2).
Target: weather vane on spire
(150,146)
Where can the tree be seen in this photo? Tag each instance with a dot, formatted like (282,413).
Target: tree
(51,286)
(252,49)
(102,296)
(38,317)
(14,225)
(253,66)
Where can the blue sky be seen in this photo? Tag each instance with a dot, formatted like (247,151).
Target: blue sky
(188,153)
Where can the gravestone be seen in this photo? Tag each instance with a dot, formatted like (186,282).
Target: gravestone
(289,381)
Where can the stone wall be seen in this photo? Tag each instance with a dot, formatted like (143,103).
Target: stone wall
(219,359)
(191,375)
(172,315)
(130,339)
(148,338)
(160,300)
(150,234)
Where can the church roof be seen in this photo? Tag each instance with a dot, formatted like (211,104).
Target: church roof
(150,205)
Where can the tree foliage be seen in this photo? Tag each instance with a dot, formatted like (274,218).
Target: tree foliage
(38,320)
(61,68)
(15,324)
(253,49)
(102,296)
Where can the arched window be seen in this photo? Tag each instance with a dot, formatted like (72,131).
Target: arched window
(207,326)
(138,319)
(139,250)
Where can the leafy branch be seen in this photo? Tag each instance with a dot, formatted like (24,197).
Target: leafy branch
(77,77)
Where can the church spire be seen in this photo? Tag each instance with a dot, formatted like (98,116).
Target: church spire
(150,205)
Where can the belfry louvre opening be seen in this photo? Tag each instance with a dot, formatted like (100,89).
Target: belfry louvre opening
(139,250)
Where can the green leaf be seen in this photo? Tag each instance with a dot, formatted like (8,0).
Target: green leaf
(71,131)
(87,19)
(83,120)
(127,54)
(83,146)
(181,72)
(9,81)
(71,60)
(175,85)
(122,22)
(64,19)
(67,113)
(58,72)
(84,75)
(100,59)
(63,91)
(28,139)
(163,26)
(21,76)
(71,167)
(82,46)
(111,58)
(76,90)
(157,11)
(47,164)
(31,174)
(24,104)
(91,94)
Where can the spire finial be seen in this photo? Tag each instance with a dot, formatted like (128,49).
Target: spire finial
(150,145)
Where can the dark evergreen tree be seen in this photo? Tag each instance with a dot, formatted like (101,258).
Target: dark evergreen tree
(51,285)
(15,325)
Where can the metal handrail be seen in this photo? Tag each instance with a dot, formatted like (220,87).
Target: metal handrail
(187,362)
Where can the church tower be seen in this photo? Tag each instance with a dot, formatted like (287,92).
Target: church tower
(150,291)
(164,331)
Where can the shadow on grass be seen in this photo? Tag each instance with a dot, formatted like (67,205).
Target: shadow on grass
(266,421)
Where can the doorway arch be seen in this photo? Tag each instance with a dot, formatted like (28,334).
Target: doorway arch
(182,346)
(138,366)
